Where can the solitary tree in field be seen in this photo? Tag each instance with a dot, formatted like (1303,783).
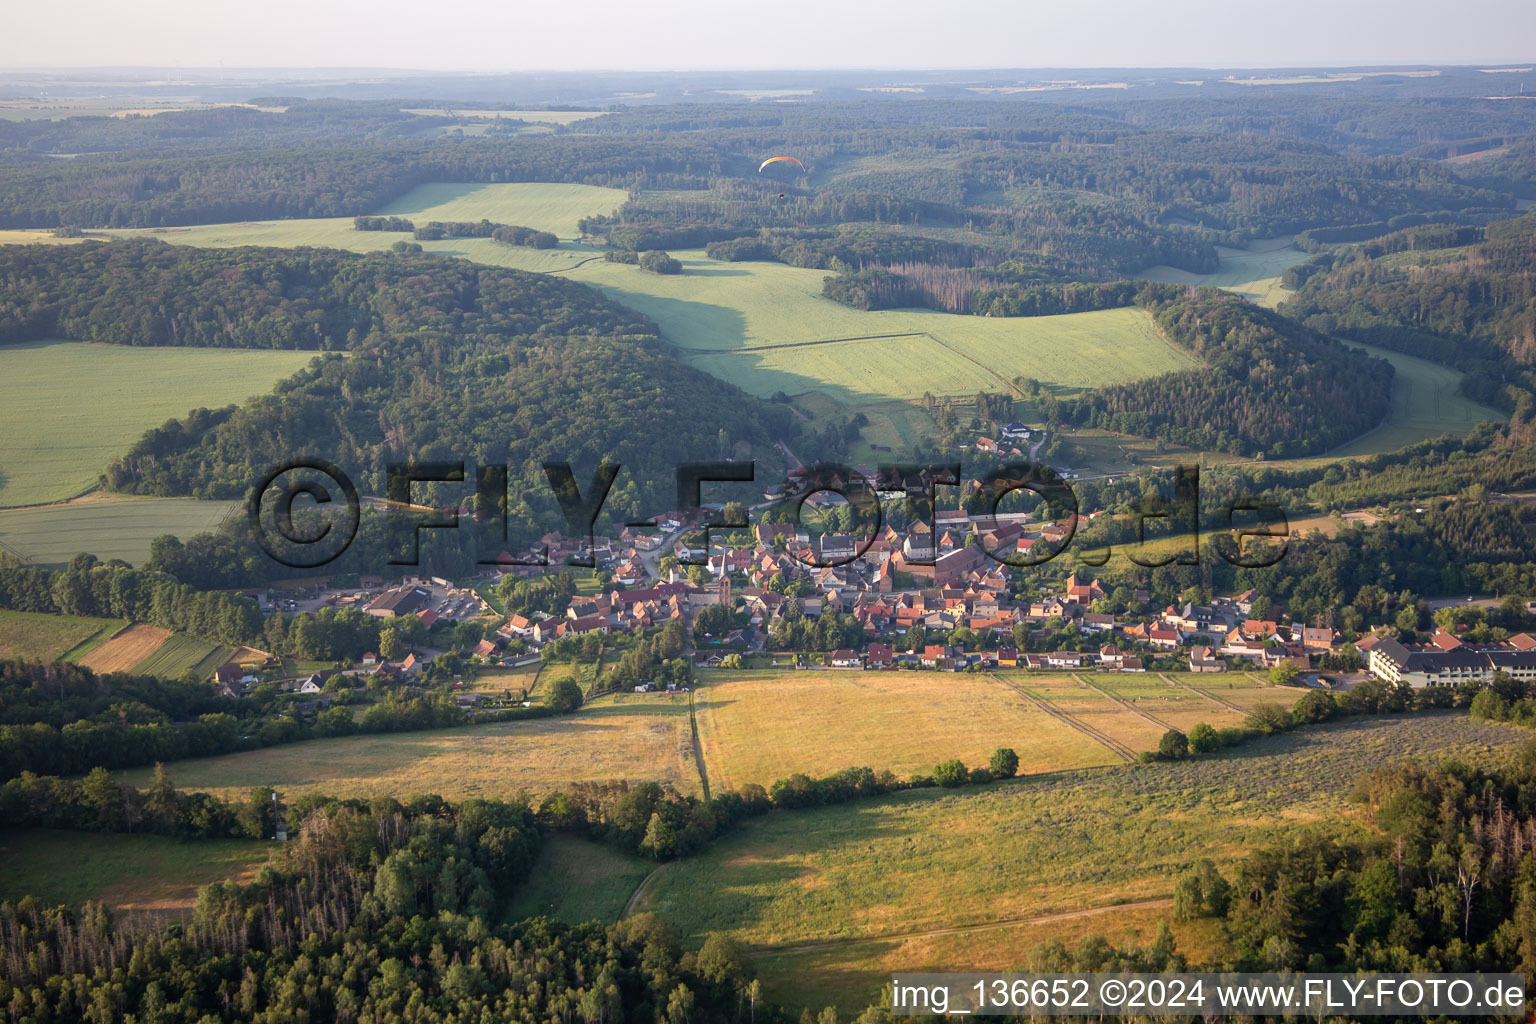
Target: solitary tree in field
(1004,763)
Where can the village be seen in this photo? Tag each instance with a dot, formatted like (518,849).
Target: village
(928,597)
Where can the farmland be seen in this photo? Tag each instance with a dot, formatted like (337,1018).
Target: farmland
(179,654)
(107,526)
(1016,852)
(545,206)
(762,726)
(37,637)
(636,737)
(71,407)
(125,650)
(131,872)
(767,328)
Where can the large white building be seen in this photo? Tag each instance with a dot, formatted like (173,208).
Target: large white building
(1394,662)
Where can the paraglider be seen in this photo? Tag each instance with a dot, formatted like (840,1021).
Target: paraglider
(785,159)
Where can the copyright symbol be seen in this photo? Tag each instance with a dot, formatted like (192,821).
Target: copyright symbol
(320,538)
(1112,992)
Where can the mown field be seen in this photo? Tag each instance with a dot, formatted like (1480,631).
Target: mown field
(125,650)
(68,408)
(37,637)
(180,654)
(50,535)
(575,880)
(999,857)
(766,725)
(130,872)
(640,737)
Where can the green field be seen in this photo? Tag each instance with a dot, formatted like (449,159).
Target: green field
(50,535)
(132,872)
(181,654)
(545,206)
(1008,854)
(766,327)
(1253,272)
(1426,402)
(67,408)
(38,637)
(576,880)
(639,737)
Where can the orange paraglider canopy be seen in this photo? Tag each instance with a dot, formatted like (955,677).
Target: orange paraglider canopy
(777,159)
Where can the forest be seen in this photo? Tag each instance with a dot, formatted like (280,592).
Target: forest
(442,359)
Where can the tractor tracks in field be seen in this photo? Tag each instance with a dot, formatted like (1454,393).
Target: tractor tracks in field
(1100,737)
(1208,696)
(1145,716)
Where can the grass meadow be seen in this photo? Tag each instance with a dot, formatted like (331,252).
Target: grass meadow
(1252,272)
(546,206)
(50,535)
(575,880)
(38,637)
(930,860)
(640,737)
(130,872)
(767,328)
(67,408)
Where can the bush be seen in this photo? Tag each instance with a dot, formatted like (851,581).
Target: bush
(951,773)
(563,696)
(1203,739)
(1173,745)
(1490,706)
(1004,763)
(1315,707)
(658,262)
(1269,718)
(981,776)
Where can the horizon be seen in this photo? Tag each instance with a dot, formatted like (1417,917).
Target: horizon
(604,35)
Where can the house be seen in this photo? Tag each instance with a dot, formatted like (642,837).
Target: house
(1084,593)
(411,666)
(1111,656)
(1131,665)
(370,658)
(1008,657)
(1064,659)
(311,684)
(1202,659)
(845,659)
(881,656)
(484,649)
(1164,636)
(1317,639)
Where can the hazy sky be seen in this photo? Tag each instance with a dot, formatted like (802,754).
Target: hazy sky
(677,34)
